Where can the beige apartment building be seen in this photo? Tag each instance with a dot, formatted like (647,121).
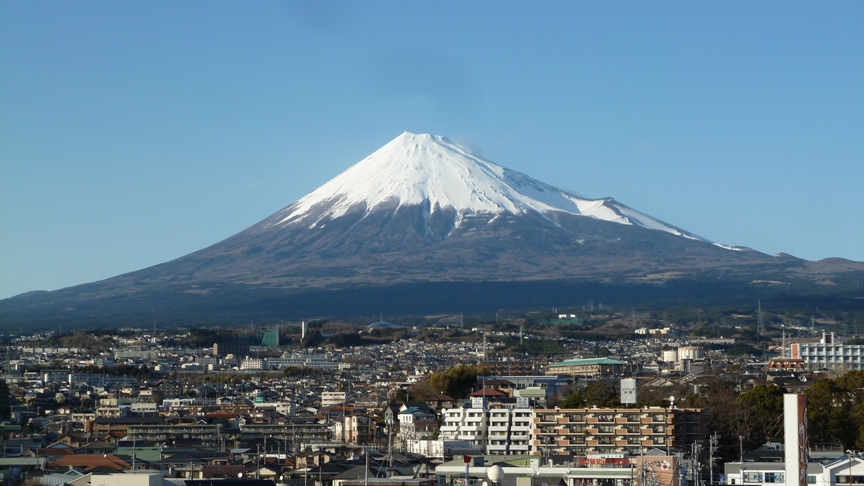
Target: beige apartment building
(579,432)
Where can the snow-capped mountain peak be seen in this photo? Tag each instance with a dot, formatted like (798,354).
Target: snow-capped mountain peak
(415,169)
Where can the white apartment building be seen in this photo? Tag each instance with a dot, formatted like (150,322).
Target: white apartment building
(252,364)
(496,431)
(828,354)
(329,399)
(509,431)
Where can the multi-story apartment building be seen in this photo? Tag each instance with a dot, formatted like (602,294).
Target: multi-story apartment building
(496,430)
(251,364)
(579,432)
(509,431)
(828,354)
(331,398)
(575,432)
(591,367)
(294,435)
(206,434)
(466,424)
(357,428)
(318,361)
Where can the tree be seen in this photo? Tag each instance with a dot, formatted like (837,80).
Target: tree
(573,400)
(398,396)
(761,411)
(456,381)
(835,412)
(601,393)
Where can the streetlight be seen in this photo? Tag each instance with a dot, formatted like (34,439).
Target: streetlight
(741,448)
(851,455)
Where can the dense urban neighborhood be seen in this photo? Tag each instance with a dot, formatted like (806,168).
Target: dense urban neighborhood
(596,398)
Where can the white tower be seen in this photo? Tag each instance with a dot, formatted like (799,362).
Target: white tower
(795,435)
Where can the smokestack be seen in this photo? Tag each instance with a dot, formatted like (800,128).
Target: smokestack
(795,435)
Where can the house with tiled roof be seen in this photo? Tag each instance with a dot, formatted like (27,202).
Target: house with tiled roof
(489,393)
(89,462)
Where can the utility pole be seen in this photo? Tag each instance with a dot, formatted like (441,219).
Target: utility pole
(760,327)
(713,442)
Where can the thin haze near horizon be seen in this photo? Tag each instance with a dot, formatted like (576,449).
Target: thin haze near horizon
(135,133)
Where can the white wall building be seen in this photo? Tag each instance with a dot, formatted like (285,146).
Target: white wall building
(329,399)
(415,423)
(828,354)
(509,431)
(834,473)
(251,364)
(497,430)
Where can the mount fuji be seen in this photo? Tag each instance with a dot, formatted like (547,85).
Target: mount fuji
(442,176)
(424,225)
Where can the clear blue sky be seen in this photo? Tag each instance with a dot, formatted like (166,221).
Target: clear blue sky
(132,133)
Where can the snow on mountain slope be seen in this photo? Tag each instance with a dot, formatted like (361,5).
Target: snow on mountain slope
(414,169)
